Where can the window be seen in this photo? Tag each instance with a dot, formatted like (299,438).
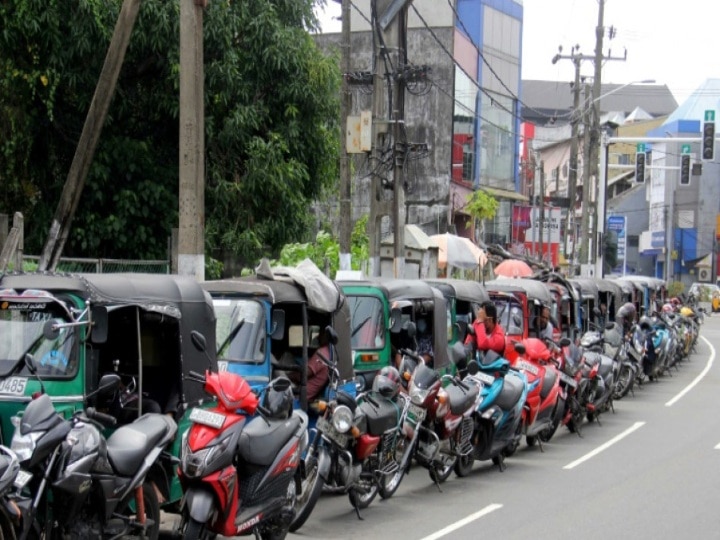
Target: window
(367,322)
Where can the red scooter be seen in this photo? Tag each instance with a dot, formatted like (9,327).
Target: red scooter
(545,404)
(237,472)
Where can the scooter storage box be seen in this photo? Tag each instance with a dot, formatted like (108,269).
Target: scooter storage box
(381,416)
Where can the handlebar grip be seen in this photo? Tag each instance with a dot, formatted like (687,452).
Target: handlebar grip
(103,418)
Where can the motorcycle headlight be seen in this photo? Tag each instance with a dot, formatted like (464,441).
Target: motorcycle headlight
(342,418)
(418,395)
(24,445)
(195,464)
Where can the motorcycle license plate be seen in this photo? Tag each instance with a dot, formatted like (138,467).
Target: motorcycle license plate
(14,386)
(22,478)
(327,429)
(567,379)
(527,366)
(207,418)
(417,412)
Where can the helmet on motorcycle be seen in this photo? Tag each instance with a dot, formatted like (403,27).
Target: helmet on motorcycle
(686,312)
(645,322)
(278,398)
(387,382)
(667,308)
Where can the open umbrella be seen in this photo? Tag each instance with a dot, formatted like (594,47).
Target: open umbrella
(513,268)
(458,251)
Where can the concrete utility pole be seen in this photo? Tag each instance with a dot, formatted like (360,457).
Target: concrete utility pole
(389,20)
(85,150)
(345,186)
(191,232)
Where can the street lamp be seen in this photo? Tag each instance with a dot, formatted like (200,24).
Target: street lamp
(600,174)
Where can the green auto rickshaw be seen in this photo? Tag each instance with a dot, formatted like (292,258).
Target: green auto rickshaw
(78,327)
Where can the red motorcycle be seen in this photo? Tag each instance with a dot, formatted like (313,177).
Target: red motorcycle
(237,472)
(545,404)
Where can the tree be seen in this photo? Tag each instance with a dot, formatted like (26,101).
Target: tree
(271,124)
(481,205)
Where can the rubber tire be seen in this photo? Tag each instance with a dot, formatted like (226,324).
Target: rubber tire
(390,484)
(194,530)
(152,510)
(366,499)
(531,440)
(441,474)
(624,383)
(312,492)
(463,465)
(511,448)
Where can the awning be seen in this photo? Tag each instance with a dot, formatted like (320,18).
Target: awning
(499,193)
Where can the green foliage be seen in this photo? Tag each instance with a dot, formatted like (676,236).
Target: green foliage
(481,205)
(271,112)
(325,251)
(675,288)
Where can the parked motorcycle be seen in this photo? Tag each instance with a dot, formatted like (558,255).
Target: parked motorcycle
(568,358)
(598,383)
(75,483)
(545,402)
(9,512)
(497,418)
(239,473)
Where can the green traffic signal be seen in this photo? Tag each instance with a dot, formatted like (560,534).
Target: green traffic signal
(708,141)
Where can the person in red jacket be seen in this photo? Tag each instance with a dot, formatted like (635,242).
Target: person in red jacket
(489,335)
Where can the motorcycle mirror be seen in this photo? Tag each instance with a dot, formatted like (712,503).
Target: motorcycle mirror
(473,367)
(281,384)
(278,324)
(331,335)
(200,343)
(564,342)
(108,382)
(519,347)
(99,328)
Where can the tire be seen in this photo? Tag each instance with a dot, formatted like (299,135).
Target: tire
(194,530)
(311,489)
(389,484)
(511,448)
(531,440)
(363,497)
(624,382)
(576,417)
(441,474)
(463,465)
(152,511)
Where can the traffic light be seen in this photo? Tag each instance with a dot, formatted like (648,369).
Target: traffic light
(640,167)
(708,141)
(685,170)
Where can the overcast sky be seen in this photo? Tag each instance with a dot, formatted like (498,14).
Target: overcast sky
(670,41)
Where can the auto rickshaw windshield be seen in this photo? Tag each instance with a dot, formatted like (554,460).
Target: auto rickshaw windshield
(21,328)
(240,330)
(368,323)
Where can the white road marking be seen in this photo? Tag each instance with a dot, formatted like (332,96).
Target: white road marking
(698,378)
(458,524)
(617,438)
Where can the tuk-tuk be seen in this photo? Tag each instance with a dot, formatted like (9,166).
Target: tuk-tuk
(270,324)
(78,327)
(519,301)
(610,294)
(463,299)
(568,301)
(590,299)
(380,312)
(641,294)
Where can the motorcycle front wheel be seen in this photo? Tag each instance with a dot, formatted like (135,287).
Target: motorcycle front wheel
(624,382)
(194,530)
(389,484)
(464,464)
(152,511)
(363,496)
(441,473)
(311,488)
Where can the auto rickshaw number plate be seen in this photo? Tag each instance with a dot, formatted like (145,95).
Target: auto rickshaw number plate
(331,433)
(527,366)
(207,418)
(22,478)
(13,386)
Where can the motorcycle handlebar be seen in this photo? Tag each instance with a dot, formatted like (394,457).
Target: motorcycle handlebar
(105,419)
(411,354)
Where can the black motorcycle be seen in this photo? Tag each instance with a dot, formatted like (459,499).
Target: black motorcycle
(9,513)
(77,484)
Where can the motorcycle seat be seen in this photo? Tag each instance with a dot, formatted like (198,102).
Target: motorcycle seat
(511,392)
(261,440)
(460,399)
(128,446)
(548,382)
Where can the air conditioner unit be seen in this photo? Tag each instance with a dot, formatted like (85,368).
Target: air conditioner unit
(704,275)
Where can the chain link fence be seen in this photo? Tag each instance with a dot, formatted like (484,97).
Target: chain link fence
(101,266)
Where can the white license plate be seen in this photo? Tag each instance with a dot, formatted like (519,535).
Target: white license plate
(567,379)
(327,429)
(527,366)
(417,411)
(14,386)
(22,478)
(484,378)
(207,418)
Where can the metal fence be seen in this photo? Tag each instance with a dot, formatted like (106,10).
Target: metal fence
(101,266)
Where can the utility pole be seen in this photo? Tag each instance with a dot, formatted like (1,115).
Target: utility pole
(389,21)
(345,186)
(85,150)
(191,231)
(542,208)
(586,202)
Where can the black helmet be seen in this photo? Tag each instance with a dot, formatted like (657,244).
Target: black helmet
(645,322)
(278,398)
(387,382)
